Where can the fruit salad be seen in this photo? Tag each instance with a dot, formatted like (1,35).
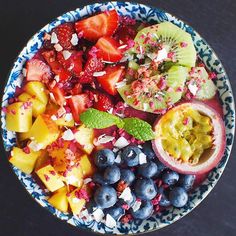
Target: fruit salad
(117,119)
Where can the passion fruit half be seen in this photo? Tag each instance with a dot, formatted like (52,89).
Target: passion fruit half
(190,138)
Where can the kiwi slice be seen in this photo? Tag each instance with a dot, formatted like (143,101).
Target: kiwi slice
(157,93)
(174,40)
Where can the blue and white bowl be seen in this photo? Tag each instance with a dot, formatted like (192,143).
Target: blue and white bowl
(146,14)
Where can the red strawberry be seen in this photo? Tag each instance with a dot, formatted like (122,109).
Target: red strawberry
(92,65)
(103,102)
(58,94)
(57,68)
(113,75)
(103,24)
(64,34)
(108,49)
(77,89)
(73,63)
(37,70)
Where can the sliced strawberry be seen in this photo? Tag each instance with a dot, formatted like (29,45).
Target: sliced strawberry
(58,94)
(108,81)
(57,68)
(103,102)
(77,89)
(103,24)
(78,104)
(108,49)
(64,34)
(92,65)
(37,70)
(71,61)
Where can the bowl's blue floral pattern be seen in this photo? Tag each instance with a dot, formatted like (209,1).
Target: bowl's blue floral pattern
(143,13)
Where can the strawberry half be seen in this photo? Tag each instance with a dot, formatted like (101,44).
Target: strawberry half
(37,70)
(58,94)
(71,61)
(108,49)
(103,102)
(64,34)
(113,75)
(57,68)
(94,27)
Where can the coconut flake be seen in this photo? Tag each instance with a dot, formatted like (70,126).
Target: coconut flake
(58,47)
(75,200)
(145,106)
(110,221)
(161,55)
(100,73)
(104,139)
(35,146)
(126,195)
(136,205)
(98,215)
(53,117)
(87,180)
(121,142)
(24,72)
(193,88)
(71,179)
(118,158)
(74,39)
(85,214)
(115,150)
(68,135)
(66,54)
(108,62)
(68,117)
(120,84)
(142,158)
(123,46)
(54,38)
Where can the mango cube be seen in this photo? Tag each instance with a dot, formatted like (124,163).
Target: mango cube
(24,161)
(74,177)
(86,166)
(44,131)
(59,200)
(37,90)
(50,178)
(64,122)
(18,117)
(37,106)
(42,159)
(76,204)
(84,136)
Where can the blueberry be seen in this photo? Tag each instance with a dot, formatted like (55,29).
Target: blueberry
(112,174)
(170,177)
(130,155)
(148,151)
(164,202)
(130,202)
(148,169)
(145,189)
(98,178)
(105,197)
(187,181)
(144,211)
(178,197)
(116,212)
(160,165)
(104,158)
(127,176)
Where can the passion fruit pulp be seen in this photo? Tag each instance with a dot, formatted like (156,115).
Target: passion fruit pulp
(190,138)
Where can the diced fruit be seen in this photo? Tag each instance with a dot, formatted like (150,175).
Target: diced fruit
(64,34)
(37,90)
(64,122)
(22,160)
(84,136)
(108,49)
(58,94)
(178,197)
(78,104)
(19,117)
(108,81)
(74,176)
(86,166)
(50,178)
(44,131)
(37,70)
(144,211)
(94,27)
(103,102)
(105,196)
(37,106)
(104,158)
(145,189)
(42,159)
(59,199)
(112,174)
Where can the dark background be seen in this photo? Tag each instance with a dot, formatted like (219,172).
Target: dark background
(214,19)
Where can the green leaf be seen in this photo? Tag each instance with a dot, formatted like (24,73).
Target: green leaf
(96,119)
(138,128)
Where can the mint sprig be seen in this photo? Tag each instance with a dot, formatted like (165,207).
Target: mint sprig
(138,128)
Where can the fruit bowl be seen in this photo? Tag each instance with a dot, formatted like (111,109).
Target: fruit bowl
(206,54)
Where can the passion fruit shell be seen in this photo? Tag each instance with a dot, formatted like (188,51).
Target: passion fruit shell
(210,157)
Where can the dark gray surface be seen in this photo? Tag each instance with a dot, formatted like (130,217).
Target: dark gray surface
(215,20)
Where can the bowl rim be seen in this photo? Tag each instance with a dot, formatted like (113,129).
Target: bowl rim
(57,20)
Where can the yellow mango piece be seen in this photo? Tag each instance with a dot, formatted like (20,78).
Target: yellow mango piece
(84,136)
(23,161)
(44,131)
(74,177)
(86,166)
(37,106)
(37,90)
(42,159)
(76,204)
(63,122)
(59,200)
(18,118)
(50,178)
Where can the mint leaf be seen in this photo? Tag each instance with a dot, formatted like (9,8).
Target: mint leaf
(96,119)
(138,128)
